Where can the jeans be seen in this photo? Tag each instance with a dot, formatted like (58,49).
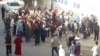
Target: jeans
(20,33)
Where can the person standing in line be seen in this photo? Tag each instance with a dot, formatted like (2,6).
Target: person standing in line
(37,35)
(75,25)
(85,33)
(72,49)
(19,26)
(70,39)
(54,44)
(27,33)
(8,44)
(60,29)
(15,21)
(96,31)
(7,23)
(78,46)
(61,51)
(53,29)
(43,35)
(17,43)
(12,26)
(3,11)
(95,49)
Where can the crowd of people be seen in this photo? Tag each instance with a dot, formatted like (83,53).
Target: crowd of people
(39,24)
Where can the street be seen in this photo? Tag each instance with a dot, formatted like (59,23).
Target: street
(44,49)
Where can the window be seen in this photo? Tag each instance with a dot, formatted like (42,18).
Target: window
(62,1)
(76,5)
(14,4)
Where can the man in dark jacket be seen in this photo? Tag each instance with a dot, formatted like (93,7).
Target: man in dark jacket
(96,31)
(3,11)
(7,24)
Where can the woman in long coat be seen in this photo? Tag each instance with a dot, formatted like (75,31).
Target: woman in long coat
(18,42)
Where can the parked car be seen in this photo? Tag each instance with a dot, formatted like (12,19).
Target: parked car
(13,6)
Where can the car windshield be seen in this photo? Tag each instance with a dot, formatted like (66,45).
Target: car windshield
(14,4)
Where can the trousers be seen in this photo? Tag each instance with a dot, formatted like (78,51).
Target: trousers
(54,49)
(8,50)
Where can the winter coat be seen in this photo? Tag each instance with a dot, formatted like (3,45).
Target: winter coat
(54,42)
(8,39)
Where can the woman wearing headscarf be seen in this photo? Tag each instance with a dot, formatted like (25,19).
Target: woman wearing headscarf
(61,51)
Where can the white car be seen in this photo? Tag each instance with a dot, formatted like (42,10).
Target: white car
(13,6)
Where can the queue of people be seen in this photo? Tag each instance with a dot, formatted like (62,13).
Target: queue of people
(40,24)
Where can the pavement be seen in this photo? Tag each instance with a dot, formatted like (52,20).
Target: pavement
(44,49)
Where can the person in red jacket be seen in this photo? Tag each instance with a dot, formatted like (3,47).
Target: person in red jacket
(18,42)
